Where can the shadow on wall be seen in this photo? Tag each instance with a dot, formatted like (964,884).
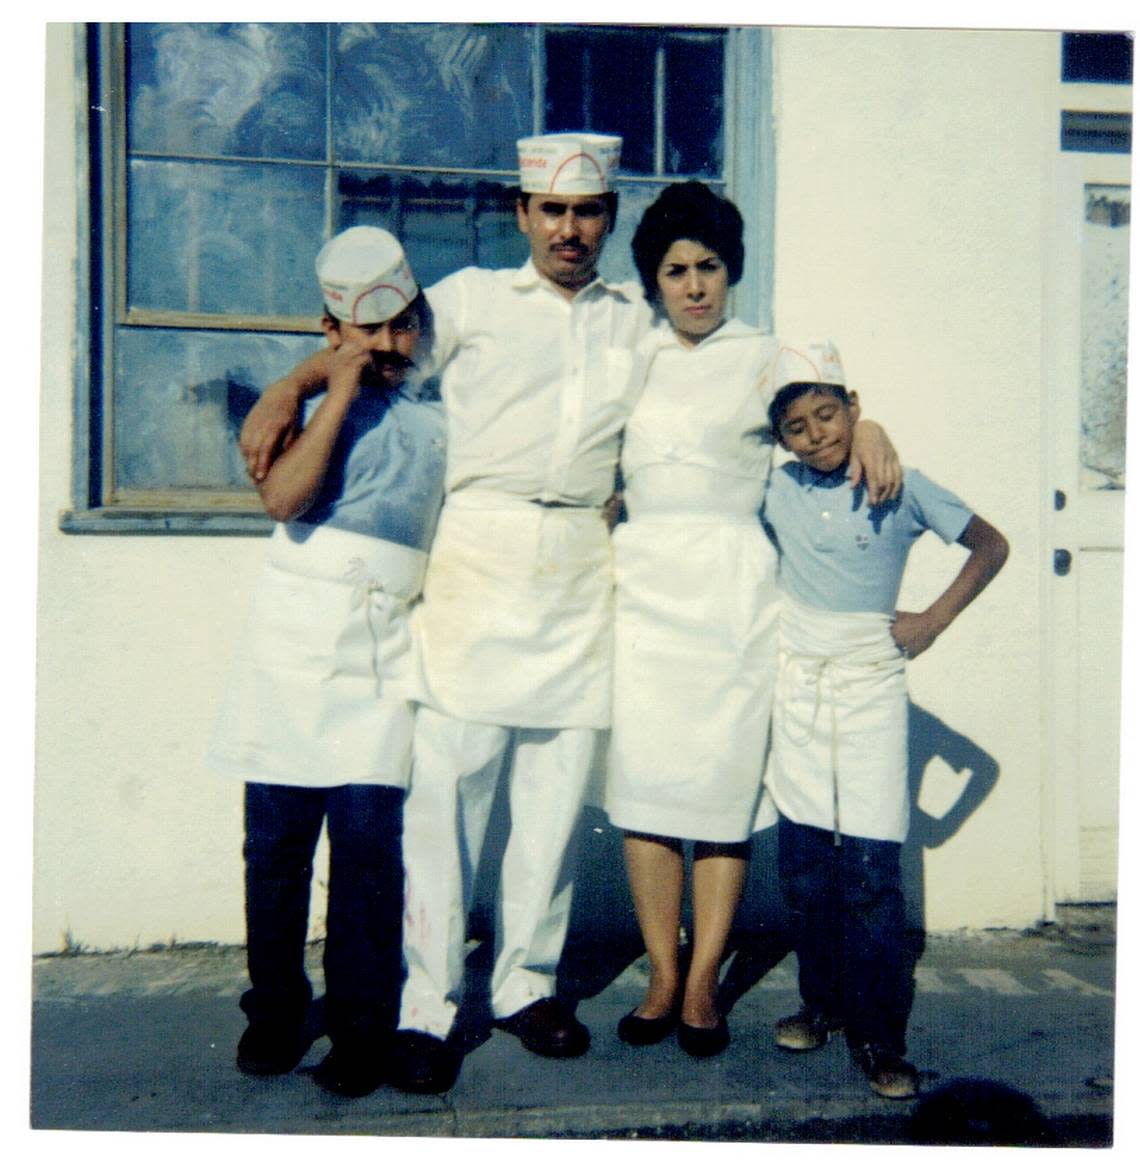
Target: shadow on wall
(604,937)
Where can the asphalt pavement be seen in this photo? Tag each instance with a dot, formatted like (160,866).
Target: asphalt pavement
(1012,1032)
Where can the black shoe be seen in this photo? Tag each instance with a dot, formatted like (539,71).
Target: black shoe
(350,1072)
(548,1028)
(888,1073)
(641,1030)
(702,1042)
(423,1063)
(270,1050)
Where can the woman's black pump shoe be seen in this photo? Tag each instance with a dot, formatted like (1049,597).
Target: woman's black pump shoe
(703,1042)
(642,1030)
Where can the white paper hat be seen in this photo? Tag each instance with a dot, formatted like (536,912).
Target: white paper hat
(814,361)
(568,163)
(364,276)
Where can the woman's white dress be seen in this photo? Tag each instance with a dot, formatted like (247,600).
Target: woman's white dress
(695,624)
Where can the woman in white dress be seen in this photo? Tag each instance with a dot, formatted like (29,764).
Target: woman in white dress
(695,629)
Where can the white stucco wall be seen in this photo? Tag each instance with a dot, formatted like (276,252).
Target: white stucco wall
(135,842)
(911,170)
(909,225)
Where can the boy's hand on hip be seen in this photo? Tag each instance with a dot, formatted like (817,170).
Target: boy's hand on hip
(913,633)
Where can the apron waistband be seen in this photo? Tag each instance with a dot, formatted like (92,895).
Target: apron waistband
(364,562)
(485,499)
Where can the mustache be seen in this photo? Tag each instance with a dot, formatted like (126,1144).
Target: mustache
(394,359)
(373,373)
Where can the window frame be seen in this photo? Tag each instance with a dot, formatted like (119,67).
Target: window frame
(747,177)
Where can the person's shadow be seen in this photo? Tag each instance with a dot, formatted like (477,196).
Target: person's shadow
(761,937)
(604,938)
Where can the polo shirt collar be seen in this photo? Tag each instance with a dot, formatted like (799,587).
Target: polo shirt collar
(815,479)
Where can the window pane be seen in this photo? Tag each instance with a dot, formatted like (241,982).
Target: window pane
(444,223)
(1083,132)
(1104,326)
(1104,57)
(694,106)
(617,258)
(431,94)
(217,238)
(180,397)
(603,81)
(249,90)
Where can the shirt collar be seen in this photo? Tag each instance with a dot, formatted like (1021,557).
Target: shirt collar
(816,479)
(733,328)
(527,277)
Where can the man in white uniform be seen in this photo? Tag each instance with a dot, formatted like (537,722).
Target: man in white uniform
(515,626)
(516,621)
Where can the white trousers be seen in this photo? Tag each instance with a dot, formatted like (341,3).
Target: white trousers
(456,767)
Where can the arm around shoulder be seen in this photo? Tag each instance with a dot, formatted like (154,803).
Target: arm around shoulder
(271,426)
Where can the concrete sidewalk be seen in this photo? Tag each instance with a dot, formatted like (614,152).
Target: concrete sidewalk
(145,1041)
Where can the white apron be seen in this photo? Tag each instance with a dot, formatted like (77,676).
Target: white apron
(317,692)
(515,627)
(696,603)
(839,728)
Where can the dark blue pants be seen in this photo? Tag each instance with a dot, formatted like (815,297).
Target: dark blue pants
(849,930)
(362,961)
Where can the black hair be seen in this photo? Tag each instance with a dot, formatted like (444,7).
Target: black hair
(788,394)
(688,210)
(610,199)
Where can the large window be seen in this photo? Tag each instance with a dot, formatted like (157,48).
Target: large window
(223,155)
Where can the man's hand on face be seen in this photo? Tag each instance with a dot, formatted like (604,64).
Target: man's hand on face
(346,367)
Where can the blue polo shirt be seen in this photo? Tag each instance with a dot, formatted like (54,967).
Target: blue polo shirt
(837,552)
(385,475)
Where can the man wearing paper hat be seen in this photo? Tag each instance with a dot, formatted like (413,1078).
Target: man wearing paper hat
(365,278)
(515,624)
(312,720)
(566,204)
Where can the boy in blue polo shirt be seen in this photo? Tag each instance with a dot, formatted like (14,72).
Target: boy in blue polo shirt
(838,769)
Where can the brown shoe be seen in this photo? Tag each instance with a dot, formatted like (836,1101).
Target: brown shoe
(548,1028)
(806,1030)
(887,1072)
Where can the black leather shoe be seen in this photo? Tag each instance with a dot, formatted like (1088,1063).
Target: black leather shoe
(641,1030)
(351,1072)
(548,1028)
(701,1042)
(423,1063)
(270,1050)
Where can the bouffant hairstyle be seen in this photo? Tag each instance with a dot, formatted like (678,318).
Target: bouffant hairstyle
(688,210)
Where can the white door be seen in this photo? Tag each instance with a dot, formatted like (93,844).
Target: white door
(1086,351)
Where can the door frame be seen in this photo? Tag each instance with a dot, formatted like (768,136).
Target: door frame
(1067,174)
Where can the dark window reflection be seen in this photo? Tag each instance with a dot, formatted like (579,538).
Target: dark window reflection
(1097,57)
